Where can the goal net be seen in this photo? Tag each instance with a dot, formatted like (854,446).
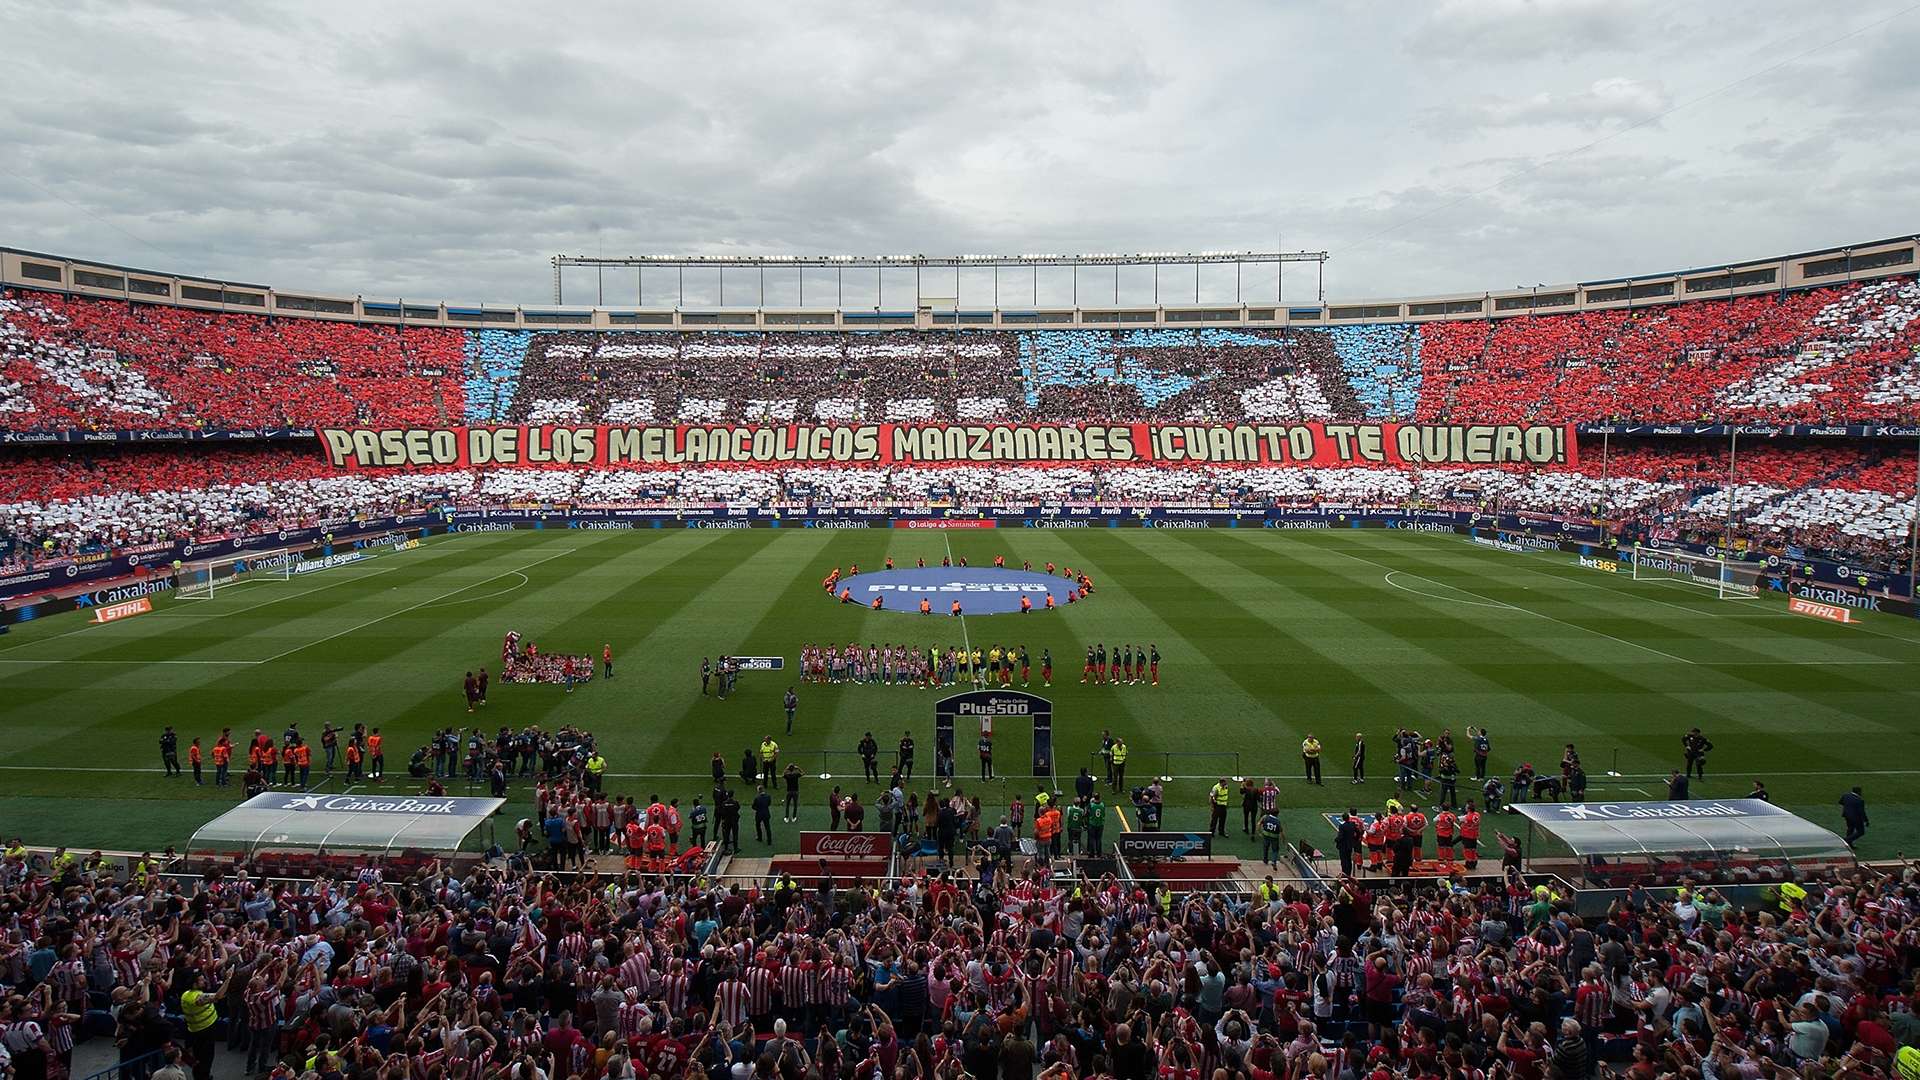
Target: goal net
(1729,579)
(200,580)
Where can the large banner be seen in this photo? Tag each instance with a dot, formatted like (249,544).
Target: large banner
(1307,444)
(37,436)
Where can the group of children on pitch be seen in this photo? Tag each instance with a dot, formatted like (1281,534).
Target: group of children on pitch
(1083,584)
(528,664)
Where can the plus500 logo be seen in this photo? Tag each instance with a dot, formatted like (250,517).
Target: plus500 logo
(1005,708)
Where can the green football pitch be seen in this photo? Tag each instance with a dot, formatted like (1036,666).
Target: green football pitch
(1266,636)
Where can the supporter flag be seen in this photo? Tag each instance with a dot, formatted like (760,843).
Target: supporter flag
(531,942)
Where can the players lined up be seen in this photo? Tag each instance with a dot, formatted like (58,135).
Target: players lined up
(1128,664)
(890,664)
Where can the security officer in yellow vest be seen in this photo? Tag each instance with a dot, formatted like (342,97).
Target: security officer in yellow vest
(1119,763)
(1310,757)
(1217,801)
(197,1005)
(1267,891)
(769,761)
(596,771)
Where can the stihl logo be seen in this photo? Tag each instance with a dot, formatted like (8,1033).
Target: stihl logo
(122,611)
(1818,610)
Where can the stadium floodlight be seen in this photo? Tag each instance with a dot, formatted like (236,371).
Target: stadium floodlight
(200,580)
(1728,579)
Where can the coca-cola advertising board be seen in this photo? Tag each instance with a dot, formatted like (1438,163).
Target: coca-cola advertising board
(846,845)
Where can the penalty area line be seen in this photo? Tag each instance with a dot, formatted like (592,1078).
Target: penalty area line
(205,615)
(415,607)
(1496,604)
(488,596)
(1529,611)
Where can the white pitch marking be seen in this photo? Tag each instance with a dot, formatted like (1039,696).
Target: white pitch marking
(275,600)
(1530,611)
(1448,599)
(487,596)
(413,607)
(965,641)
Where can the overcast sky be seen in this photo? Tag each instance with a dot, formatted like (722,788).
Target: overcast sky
(445,151)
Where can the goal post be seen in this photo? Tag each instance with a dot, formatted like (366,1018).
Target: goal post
(1728,579)
(201,579)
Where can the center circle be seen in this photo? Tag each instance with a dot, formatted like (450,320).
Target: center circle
(981,590)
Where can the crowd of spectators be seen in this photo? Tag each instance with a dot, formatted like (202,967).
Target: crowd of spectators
(1832,355)
(78,364)
(1849,502)
(983,970)
(1845,353)
(1841,355)
(704,378)
(1845,499)
(907,375)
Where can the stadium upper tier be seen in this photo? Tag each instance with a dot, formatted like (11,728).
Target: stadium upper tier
(1839,354)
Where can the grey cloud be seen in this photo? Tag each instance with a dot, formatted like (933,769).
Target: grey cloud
(444,151)
(1476,31)
(1612,102)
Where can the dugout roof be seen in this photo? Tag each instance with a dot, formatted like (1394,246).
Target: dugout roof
(1751,826)
(362,823)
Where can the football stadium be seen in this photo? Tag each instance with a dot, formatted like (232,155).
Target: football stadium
(1021,674)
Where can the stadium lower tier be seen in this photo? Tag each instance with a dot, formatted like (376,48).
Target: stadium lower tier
(1853,500)
(1843,354)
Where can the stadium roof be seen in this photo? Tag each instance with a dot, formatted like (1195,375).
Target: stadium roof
(293,821)
(1698,825)
(1105,258)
